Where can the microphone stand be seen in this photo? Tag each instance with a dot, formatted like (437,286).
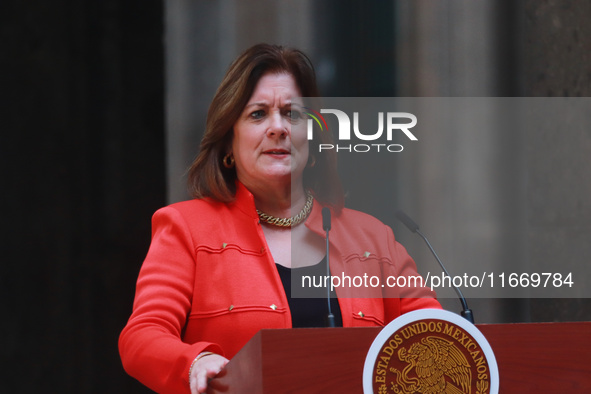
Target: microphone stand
(326,224)
(413,227)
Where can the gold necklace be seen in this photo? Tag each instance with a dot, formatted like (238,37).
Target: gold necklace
(292,221)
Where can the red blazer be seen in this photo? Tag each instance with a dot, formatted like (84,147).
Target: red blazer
(209,283)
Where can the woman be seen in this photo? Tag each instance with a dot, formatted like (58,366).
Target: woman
(218,267)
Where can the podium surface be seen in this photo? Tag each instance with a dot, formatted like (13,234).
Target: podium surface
(532,357)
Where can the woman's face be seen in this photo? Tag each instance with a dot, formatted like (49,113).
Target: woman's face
(265,149)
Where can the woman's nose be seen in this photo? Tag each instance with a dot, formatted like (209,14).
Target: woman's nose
(278,126)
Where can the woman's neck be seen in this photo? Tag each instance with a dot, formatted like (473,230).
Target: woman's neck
(279,202)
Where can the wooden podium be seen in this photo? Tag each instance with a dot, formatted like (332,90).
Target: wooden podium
(532,358)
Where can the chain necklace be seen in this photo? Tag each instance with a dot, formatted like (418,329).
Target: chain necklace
(292,221)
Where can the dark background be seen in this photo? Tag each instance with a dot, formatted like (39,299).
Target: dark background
(83,165)
(83,171)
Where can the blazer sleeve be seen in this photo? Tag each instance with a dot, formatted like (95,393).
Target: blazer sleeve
(150,345)
(411,298)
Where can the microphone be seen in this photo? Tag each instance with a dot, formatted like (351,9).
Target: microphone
(413,227)
(326,224)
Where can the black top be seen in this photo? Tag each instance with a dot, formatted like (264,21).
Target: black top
(311,311)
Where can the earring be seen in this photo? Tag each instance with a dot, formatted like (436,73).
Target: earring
(228,160)
(312,161)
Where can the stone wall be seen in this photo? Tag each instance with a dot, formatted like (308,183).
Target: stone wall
(557,62)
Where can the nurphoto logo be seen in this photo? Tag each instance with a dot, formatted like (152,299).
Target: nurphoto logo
(396,122)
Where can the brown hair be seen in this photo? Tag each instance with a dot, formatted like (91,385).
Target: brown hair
(207,177)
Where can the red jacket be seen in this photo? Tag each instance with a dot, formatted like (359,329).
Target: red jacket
(209,283)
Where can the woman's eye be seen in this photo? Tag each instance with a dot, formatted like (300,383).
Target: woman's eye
(294,114)
(257,114)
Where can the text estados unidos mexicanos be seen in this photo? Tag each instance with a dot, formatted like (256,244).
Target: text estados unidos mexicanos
(524,280)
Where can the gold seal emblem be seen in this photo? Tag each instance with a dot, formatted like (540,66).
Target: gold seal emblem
(431,355)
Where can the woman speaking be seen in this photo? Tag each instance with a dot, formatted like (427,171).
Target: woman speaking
(219,266)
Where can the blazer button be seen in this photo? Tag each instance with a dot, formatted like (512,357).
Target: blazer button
(274,307)
(224,245)
(366,254)
(361,314)
(231,307)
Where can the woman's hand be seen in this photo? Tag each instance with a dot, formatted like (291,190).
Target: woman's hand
(204,369)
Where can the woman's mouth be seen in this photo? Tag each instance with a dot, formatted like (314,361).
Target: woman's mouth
(281,152)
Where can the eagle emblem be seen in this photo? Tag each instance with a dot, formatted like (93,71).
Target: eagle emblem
(434,365)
